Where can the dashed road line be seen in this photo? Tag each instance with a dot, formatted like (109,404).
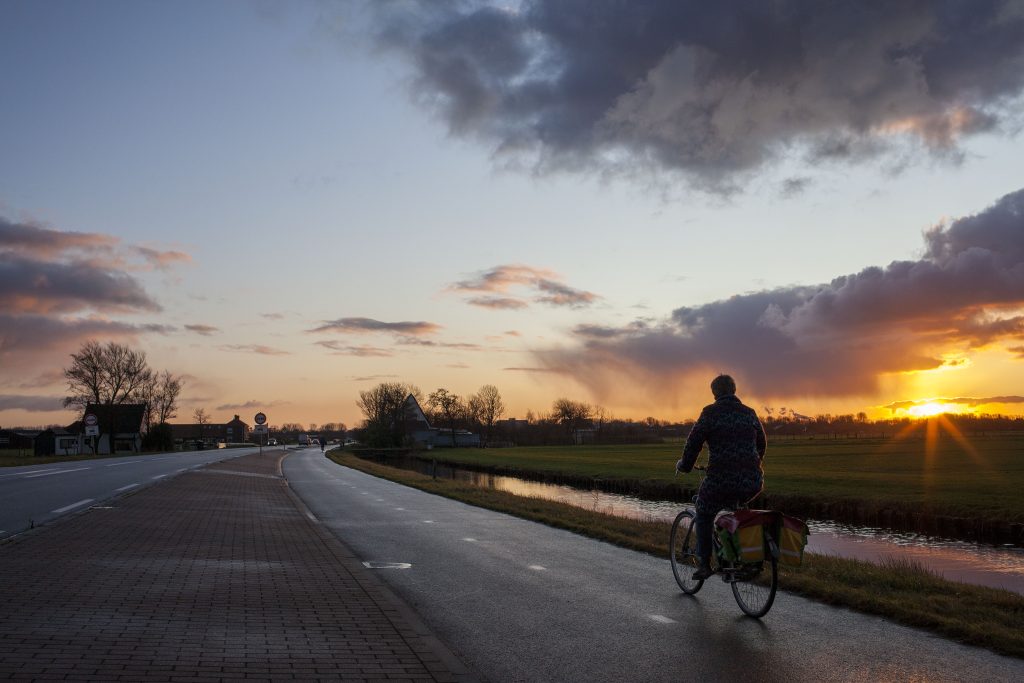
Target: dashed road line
(46,474)
(661,619)
(428,521)
(537,568)
(125,488)
(120,464)
(159,476)
(72,506)
(469,540)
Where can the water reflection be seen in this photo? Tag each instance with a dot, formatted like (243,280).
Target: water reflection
(997,567)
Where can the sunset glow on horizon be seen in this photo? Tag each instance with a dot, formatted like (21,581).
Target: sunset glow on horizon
(290,203)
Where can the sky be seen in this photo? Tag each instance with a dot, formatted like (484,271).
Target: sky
(289,202)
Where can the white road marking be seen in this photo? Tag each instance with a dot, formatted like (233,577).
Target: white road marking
(661,619)
(72,506)
(160,476)
(537,568)
(469,540)
(400,509)
(380,500)
(428,521)
(311,517)
(125,488)
(46,474)
(119,464)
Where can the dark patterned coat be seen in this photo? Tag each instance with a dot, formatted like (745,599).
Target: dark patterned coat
(736,447)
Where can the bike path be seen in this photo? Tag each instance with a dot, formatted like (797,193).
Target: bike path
(520,601)
(217,574)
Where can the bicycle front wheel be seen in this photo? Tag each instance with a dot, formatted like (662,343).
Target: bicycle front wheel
(682,552)
(755,585)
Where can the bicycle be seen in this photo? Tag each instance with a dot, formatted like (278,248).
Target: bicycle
(754,584)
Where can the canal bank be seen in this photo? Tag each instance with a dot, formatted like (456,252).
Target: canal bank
(893,516)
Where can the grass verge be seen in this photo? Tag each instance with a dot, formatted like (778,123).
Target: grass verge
(902,591)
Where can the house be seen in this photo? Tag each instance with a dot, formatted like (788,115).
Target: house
(57,441)
(419,431)
(235,431)
(120,429)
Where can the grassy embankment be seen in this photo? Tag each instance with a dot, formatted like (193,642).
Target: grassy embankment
(977,480)
(903,592)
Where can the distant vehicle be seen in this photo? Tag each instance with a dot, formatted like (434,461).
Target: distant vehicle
(272,442)
(303,439)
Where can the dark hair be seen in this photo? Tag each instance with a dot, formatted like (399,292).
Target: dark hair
(723,385)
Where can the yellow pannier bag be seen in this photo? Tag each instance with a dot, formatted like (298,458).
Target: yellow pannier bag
(747,528)
(792,533)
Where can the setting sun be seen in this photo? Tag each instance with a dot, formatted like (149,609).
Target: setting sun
(933,408)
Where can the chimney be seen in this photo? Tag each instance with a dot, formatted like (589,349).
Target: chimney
(236,418)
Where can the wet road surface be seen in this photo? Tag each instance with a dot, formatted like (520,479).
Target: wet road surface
(518,600)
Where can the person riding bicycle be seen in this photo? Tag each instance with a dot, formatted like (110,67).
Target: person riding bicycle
(736,447)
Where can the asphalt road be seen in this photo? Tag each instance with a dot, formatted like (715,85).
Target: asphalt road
(519,601)
(37,494)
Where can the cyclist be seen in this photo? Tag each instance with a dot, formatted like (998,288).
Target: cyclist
(736,447)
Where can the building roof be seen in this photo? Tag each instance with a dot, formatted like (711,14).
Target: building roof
(126,417)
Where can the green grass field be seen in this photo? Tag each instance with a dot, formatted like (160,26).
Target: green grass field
(979,477)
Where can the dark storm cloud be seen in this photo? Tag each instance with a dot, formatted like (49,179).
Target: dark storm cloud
(250,405)
(837,338)
(365,325)
(709,89)
(32,404)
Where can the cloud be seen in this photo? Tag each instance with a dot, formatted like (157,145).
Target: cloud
(368,325)
(1018,351)
(39,333)
(412,341)
(32,404)
(711,91)
(372,378)
(545,285)
(250,405)
(966,401)
(791,187)
(31,286)
(254,348)
(272,316)
(35,240)
(537,370)
(833,339)
(342,349)
(162,260)
(205,330)
(497,302)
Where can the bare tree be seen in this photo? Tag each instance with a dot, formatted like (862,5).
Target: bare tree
(384,409)
(202,418)
(487,407)
(573,415)
(449,407)
(160,394)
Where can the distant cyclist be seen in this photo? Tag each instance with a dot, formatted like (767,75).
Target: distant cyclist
(736,447)
(322,442)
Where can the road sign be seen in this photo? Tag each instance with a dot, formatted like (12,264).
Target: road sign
(260,429)
(90,420)
(92,430)
(261,419)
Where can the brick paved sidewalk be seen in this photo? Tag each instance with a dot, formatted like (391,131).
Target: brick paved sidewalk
(216,574)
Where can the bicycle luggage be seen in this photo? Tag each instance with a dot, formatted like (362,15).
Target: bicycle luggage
(742,534)
(792,534)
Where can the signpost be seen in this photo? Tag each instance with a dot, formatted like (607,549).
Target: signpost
(92,427)
(261,428)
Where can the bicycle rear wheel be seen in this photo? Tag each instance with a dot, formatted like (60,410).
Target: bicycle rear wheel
(682,552)
(755,585)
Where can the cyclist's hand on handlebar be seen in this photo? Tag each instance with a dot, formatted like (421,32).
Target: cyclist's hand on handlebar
(702,468)
(679,465)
